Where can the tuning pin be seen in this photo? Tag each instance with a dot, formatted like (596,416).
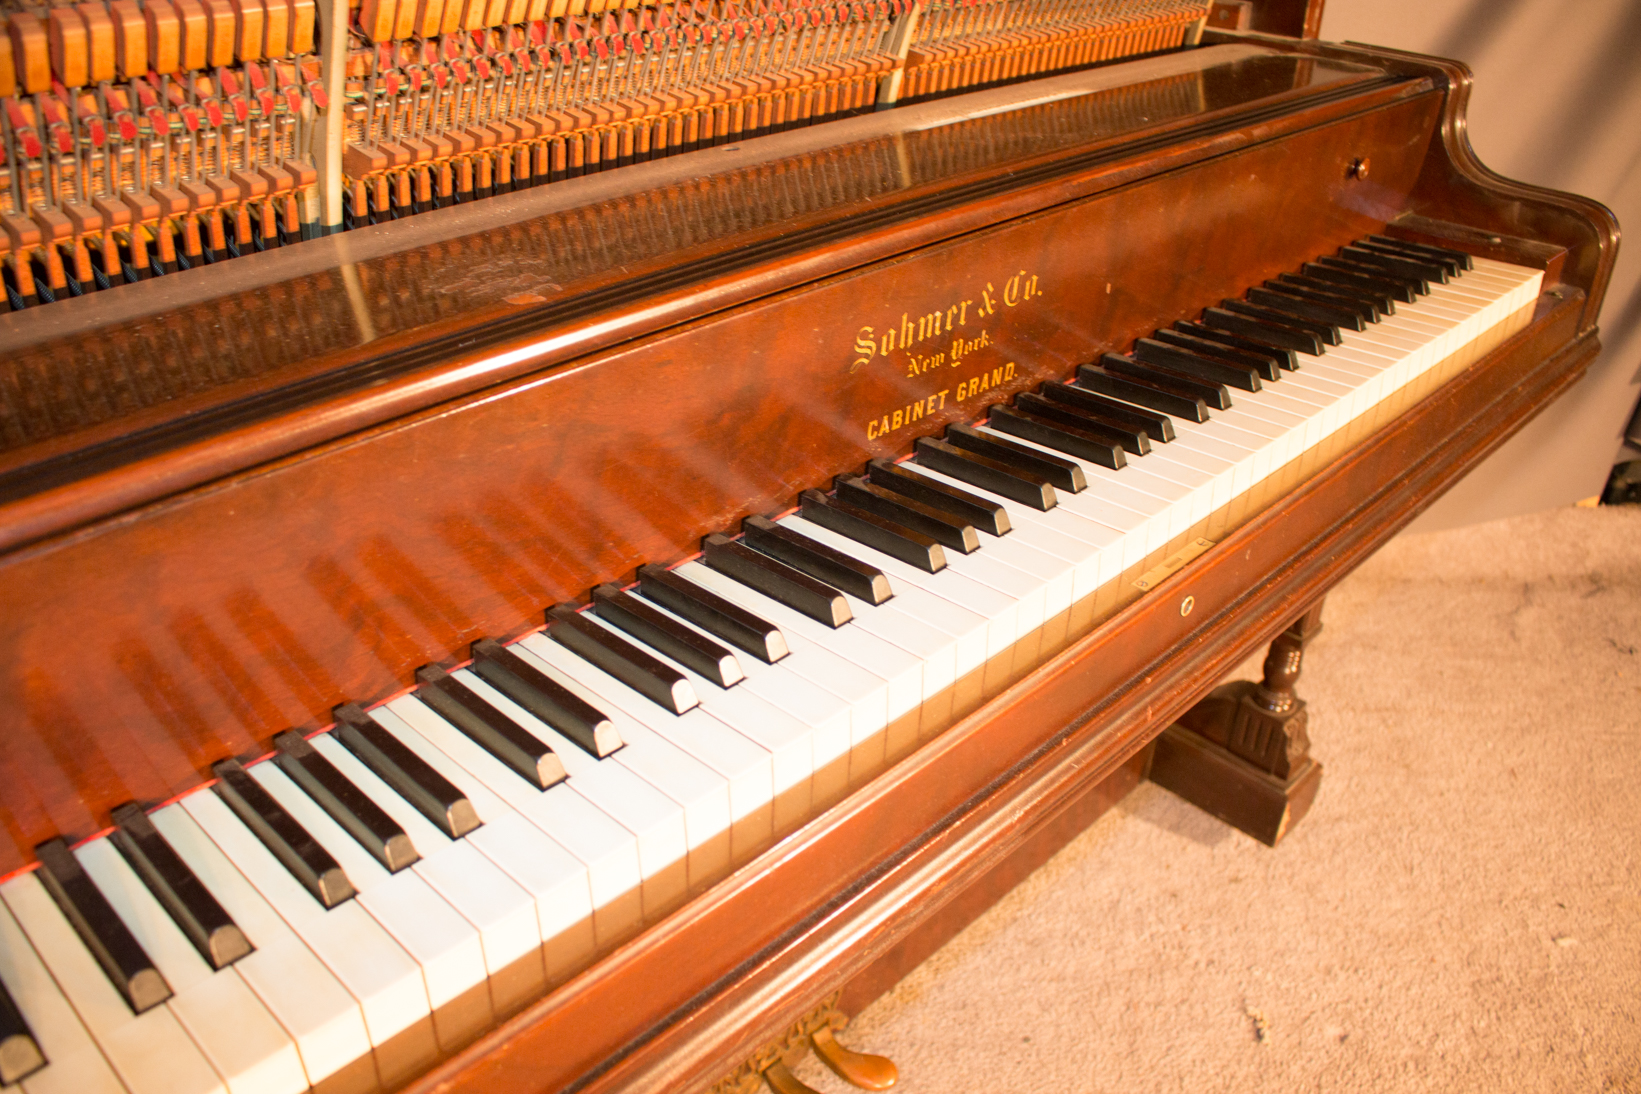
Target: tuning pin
(856,1068)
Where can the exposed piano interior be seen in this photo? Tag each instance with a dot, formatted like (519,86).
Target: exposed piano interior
(554,642)
(144,139)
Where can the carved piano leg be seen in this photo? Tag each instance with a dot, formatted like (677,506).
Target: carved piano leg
(1242,753)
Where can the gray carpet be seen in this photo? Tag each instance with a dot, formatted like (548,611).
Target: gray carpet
(1461,910)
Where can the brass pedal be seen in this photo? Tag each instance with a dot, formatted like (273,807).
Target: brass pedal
(855,1068)
(782,1081)
(770,1068)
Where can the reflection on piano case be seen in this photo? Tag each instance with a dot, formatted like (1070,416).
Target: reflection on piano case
(699,589)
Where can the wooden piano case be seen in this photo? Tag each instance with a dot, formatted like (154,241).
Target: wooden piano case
(419,443)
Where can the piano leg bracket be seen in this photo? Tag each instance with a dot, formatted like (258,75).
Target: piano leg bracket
(772,1065)
(1243,753)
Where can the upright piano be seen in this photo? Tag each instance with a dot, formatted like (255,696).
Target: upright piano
(566,547)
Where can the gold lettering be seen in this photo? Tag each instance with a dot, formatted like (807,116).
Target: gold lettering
(942,394)
(1031,287)
(963,313)
(905,331)
(928,325)
(1008,371)
(871,430)
(1011,291)
(987,306)
(888,342)
(866,347)
(900,420)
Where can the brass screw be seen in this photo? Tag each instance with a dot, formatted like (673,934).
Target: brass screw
(1359,168)
(1186,605)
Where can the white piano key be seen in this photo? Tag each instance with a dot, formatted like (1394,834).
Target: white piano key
(374,968)
(497,906)
(74,1065)
(875,698)
(659,821)
(608,850)
(896,678)
(828,718)
(299,991)
(242,1041)
(444,945)
(899,674)
(555,878)
(787,741)
(720,777)
(150,1052)
(978,602)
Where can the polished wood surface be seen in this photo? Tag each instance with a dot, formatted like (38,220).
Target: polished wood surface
(212,619)
(204,565)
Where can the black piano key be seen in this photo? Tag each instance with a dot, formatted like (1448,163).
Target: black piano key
(951,532)
(651,677)
(1404,289)
(1326,333)
(1381,302)
(1159,428)
(1020,479)
(776,580)
(309,863)
(1096,448)
(1396,250)
(532,758)
(1145,393)
(1150,351)
(410,776)
(1424,272)
(1359,278)
(1038,466)
(1213,394)
(1337,316)
(821,562)
(1265,365)
(1277,334)
(191,906)
(1413,266)
(986,515)
(712,613)
(1286,357)
(1460,257)
(583,724)
(1135,441)
(104,933)
(896,540)
(666,635)
(345,803)
(20,1054)
(1332,296)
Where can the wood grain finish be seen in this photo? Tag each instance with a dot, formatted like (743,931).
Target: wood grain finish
(210,621)
(381,337)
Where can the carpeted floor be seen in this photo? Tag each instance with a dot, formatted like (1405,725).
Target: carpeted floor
(1461,910)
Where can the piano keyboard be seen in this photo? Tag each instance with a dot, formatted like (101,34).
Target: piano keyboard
(346,911)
